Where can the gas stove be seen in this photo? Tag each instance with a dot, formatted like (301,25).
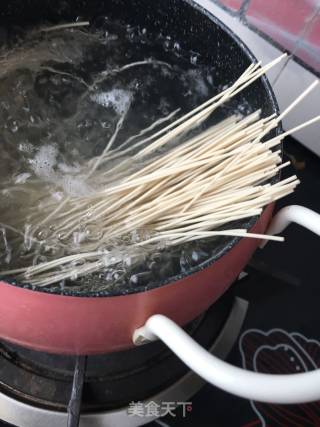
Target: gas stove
(266,322)
(39,388)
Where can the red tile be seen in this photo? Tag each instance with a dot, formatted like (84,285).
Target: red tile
(284,21)
(232,4)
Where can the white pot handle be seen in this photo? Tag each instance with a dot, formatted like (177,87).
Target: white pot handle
(271,388)
(293,214)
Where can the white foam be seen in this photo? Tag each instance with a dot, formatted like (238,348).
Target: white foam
(65,168)
(118,99)
(75,186)
(44,161)
(26,147)
(45,166)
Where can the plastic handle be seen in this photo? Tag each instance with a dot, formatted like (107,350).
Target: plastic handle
(294,388)
(282,389)
(294,214)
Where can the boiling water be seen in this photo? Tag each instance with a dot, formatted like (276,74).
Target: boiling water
(62,94)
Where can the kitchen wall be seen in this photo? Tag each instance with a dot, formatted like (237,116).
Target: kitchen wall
(271,27)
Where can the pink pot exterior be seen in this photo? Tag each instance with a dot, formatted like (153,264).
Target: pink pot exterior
(91,325)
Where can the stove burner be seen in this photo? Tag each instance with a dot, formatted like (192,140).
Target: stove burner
(23,410)
(111,381)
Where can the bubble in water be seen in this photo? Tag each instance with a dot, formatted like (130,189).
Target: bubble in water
(105,125)
(75,186)
(167,44)
(185,261)
(57,196)
(79,237)
(176,46)
(7,247)
(198,255)
(118,99)
(14,127)
(27,237)
(44,161)
(194,59)
(141,279)
(210,79)
(22,178)
(42,234)
(26,147)
(197,82)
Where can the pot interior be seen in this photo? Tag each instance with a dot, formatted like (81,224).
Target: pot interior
(204,43)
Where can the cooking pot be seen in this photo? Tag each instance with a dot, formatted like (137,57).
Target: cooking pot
(69,323)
